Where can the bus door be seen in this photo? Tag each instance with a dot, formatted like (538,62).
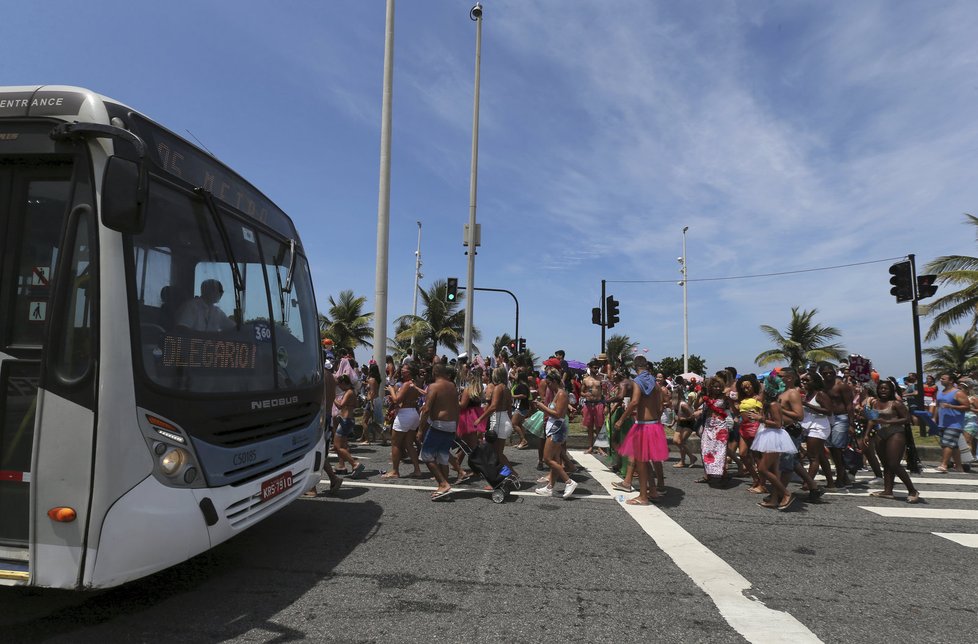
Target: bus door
(37,226)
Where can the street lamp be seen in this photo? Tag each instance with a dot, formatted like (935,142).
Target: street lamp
(417,272)
(682,269)
(384,193)
(475,14)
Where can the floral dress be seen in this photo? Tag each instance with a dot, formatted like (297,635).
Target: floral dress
(716,433)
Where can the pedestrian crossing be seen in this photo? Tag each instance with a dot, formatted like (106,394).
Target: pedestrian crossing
(932,488)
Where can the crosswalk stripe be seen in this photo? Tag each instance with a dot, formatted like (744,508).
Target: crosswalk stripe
(955,496)
(727,588)
(922,513)
(965,539)
(430,488)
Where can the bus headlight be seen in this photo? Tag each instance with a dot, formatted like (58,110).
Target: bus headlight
(173,460)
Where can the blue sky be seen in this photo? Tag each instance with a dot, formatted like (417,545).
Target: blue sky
(786,136)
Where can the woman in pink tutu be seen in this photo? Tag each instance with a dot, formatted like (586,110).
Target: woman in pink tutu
(470,408)
(646,440)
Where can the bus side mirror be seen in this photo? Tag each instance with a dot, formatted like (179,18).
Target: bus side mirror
(123,196)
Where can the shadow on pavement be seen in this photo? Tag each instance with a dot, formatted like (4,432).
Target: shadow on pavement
(221,594)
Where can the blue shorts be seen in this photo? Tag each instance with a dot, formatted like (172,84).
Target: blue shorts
(345,428)
(557,431)
(789,459)
(950,435)
(839,438)
(437,446)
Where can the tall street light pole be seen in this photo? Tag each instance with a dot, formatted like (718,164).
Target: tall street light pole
(683,270)
(384,199)
(417,273)
(474,14)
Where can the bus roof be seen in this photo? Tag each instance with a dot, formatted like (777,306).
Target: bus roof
(167,151)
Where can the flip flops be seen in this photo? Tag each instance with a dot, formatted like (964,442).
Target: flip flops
(357,471)
(335,486)
(621,487)
(914,498)
(786,506)
(437,496)
(880,494)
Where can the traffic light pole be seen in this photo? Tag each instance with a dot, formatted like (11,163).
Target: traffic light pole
(604,318)
(916,337)
(511,294)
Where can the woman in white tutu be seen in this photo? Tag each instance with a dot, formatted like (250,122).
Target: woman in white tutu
(770,442)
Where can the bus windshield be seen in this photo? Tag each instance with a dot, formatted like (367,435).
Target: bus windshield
(192,336)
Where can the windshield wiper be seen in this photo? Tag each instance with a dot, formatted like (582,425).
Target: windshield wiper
(226,240)
(288,279)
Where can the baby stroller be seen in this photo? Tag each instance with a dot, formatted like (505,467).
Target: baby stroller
(483,461)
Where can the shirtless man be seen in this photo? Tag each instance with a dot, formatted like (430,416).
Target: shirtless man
(440,415)
(592,411)
(840,419)
(646,442)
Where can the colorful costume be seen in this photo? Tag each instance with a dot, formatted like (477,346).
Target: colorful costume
(716,433)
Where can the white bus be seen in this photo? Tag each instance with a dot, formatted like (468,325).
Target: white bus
(160,369)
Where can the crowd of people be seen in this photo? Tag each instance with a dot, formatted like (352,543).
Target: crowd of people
(776,430)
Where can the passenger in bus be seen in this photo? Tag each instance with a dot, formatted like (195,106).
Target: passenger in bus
(202,312)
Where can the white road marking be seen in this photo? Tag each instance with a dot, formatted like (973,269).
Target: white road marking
(965,539)
(724,585)
(955,496)
(431,488)
(922,513)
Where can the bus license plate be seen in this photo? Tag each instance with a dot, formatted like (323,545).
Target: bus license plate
(274,487)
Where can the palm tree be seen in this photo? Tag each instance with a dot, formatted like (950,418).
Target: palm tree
(399,348)
(347,325)
(440,323)
(500,342)
(805,342)
(959,355)
(959,270)
(620,350)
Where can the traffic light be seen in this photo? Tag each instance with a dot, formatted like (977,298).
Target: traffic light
(512,347)
(612,311)
(452,289)
(902,281)
(596,315)
(926,286)
(522,345)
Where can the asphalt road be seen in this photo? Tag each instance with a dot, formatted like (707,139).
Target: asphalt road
(381,562)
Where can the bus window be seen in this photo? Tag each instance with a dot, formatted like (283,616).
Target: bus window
(192,336)
(297,335)
(38,248)
(75,352)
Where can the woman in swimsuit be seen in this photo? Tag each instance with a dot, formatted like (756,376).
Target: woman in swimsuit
(815,425)
(751,409)
(891,422)
(405,398)
(497,413)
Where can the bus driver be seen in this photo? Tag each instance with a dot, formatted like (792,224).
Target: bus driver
(202,312)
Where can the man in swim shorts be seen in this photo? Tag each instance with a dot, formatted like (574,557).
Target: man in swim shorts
(440,413)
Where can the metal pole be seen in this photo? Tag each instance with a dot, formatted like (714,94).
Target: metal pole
(511,294)
(918,359)
(384,199)
(475,14)
(913,459)
(604,318)
(417,273)
(685,308)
